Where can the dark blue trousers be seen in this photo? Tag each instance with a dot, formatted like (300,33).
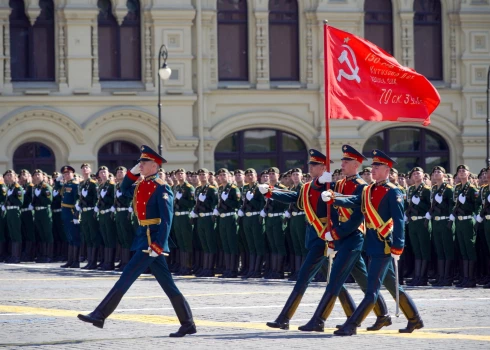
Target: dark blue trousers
(72,231)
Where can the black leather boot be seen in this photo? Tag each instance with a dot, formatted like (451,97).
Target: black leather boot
(423,273)
(258,267)
(233,266)
(92,264)
(347,303)
(251,266)
(110,262)
(3,251)
(471,283)
(350,327)
(105,308)
(282,321)
(383,319)
(16,252)
(184,314)
(465,274)
(411,313)
(69,259)
(49,252)
(227,271)
(440,274)
(317,322)
(76,261)
(89,258)
(416,279)
(447,281)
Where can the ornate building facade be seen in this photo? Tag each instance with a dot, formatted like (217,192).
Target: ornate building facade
(79,80)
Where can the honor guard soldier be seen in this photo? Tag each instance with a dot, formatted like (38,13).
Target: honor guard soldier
(106,222)
(239,176)
(153,205)
(26,216)
(3,223)
(465,209)
(229,201)
(41,202)
(441,205)
(483,217)
(418,198)
(309,200)
(184,202)
(60,239)
(89,225)
(123,218)
(253,202)
(367,175)
(11,208)
(382,206)
(69,193)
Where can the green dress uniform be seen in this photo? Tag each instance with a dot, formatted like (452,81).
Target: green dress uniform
(184,202)
(89,225)
(41,201)
(229,201)
(206,200)
(124,224)
(418,205)
(106,223)
(27,219)
(253,203)
(298,226)
(60,239)
(3,222)
(242,240)
(442,204)
(484,218)
(13,203)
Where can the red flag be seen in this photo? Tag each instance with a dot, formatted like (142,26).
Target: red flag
(364,82)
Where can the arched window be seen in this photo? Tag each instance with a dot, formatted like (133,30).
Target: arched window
(119,46)
(428,38)
(34,155)
(378,23)
(283,40)
(232,40)
(116,153)
(32,47)
(410,147)
(260,149)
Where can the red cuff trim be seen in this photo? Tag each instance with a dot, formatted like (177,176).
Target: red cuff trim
(396,251)
(156,248)
(268,194)
(132,176)
(334,234)
(331,245)
(322,236)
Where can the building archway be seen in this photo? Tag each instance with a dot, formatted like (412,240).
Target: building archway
(117,153)
(411,146)
(34,155)
(261,149)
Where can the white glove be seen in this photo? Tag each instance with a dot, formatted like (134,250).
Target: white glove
(328,236)
(488,198)
(249,195)
(215,212)
(3,208)
(113,209)
(30,207)
(262,213)
(479,218)
(326,196)
(77,207)
(59,178)
(326,177)
(427,216)
(224,196)
(76,222)
(202,197)
(130,209)
(405,218)
(438,198)
(395,257)
(331,253)
(37,192)
(451,217)
(240,213)
(96,209)
(178,195)
(55,193)
(9,192)
(153,254)
(415,200)
(287,214)
(84,192)
(136,169)
(103,193)
(193,215)
(264,188)
(118,193)
(462,198)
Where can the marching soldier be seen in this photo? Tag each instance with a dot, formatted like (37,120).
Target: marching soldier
(153,201)
(41,203)
(418,198)
(123,218)
(12,205)
(441,205)
(89,225)
(463,213)
(26,216)
(367,175)
(184,202)
(394,179)
(3,223)
(229,200)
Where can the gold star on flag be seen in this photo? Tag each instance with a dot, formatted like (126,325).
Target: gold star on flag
(346,40)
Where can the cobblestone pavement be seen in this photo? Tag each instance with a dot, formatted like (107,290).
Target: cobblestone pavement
(39,304)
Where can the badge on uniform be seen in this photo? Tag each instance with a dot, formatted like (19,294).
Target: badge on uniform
(165,196)
(399,198)
(68,189)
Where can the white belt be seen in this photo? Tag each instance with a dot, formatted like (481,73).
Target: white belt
(251,213)
(87,208)
(466,217)
(178,213)
(487,217)
(12,207)
(294,213)
(222,215)
(205,214)
(56,210)
(23,210)
(104,211)
(437,218)
(40,208)
(122,209)
(274,214)
(415,218)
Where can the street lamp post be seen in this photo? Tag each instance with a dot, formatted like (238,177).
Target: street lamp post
(164,73)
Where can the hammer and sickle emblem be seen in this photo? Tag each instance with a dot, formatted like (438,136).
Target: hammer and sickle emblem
(354,69)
